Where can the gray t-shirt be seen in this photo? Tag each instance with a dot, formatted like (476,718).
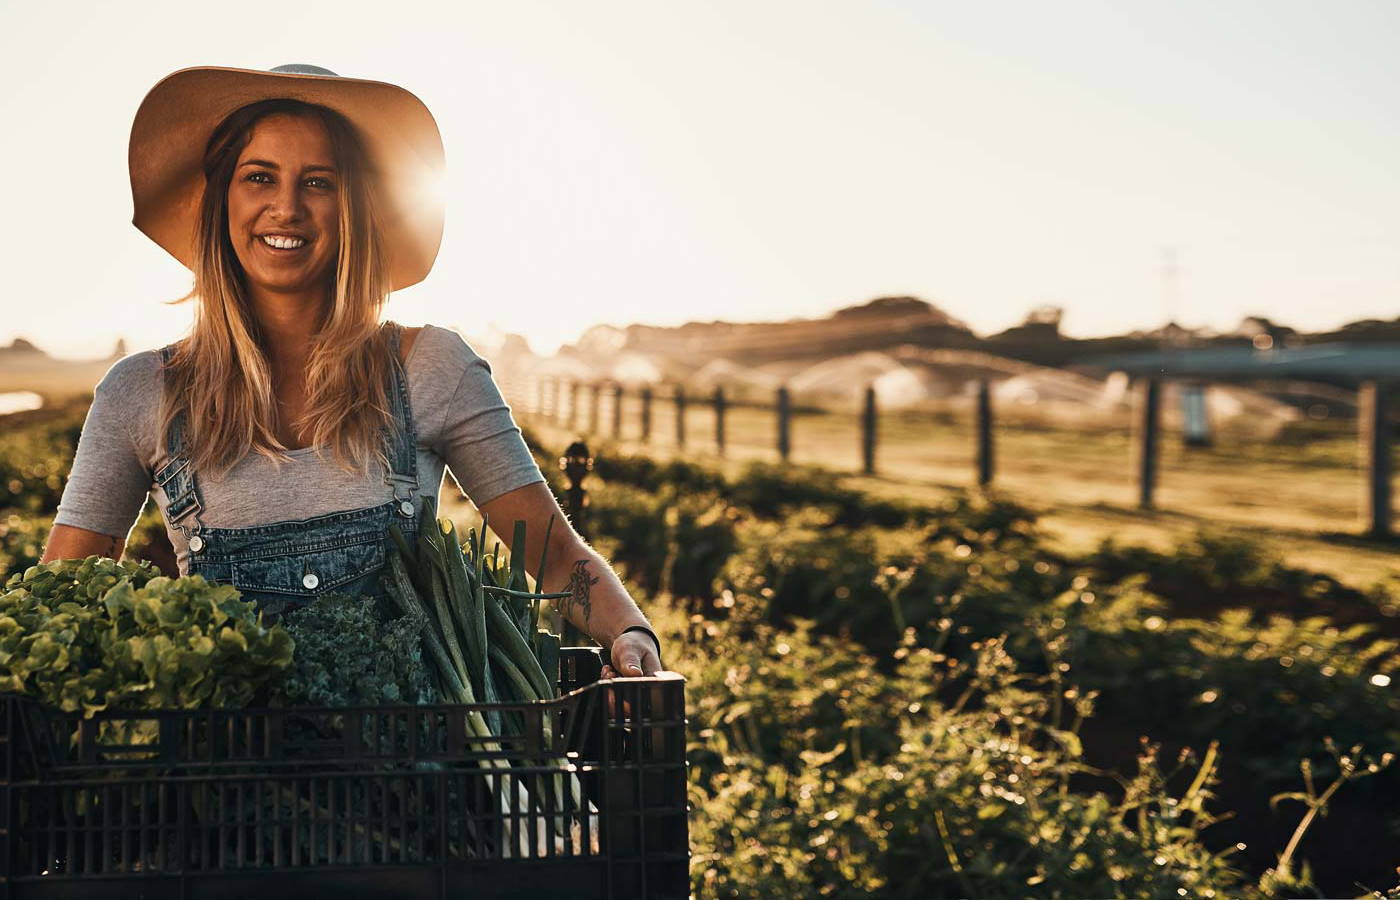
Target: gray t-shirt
(461,419)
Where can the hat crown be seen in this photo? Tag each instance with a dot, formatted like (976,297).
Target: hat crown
(301,69)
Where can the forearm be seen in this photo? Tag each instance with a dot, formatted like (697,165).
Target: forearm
(598,604)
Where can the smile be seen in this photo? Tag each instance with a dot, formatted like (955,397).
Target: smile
(283,241)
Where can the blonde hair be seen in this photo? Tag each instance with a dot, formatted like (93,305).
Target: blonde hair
(219,374)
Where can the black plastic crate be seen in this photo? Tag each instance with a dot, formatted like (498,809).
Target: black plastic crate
(373,802)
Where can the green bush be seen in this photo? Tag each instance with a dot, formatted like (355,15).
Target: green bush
(671,542)
(1212,570)
(22,539)
(813,775)
(34,464)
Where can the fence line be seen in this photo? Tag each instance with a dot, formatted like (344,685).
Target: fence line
(558,400)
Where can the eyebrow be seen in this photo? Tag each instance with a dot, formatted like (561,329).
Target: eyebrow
(266,164)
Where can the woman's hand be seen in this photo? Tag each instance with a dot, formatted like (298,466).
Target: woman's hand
(633,654)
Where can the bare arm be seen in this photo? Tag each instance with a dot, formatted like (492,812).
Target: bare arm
(598,604)
(69,542)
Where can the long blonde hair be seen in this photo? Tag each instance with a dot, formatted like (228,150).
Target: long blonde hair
(219,374)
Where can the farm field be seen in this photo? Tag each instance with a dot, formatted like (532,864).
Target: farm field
(905,690)
(1300,495)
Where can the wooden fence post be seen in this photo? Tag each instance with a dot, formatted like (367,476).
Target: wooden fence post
(573,403)
(646,412)
(1372,407)
(868,422)
(576,463)
(680,416)
(784,423)
(1149,433)
(617,412)
(719,419)
(549,409)
(986,459)
(539,396)
(596,389)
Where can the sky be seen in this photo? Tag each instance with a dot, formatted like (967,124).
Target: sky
(663,162)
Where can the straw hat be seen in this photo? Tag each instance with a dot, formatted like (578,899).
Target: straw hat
(400,137)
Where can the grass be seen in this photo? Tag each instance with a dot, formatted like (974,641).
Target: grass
(1300,494)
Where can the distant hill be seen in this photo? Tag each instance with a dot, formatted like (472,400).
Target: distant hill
(24,367)
(872,326)
(888,323)
(21,347)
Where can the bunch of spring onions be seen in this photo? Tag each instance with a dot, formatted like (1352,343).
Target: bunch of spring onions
(484,645)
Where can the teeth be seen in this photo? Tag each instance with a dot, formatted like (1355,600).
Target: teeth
(282,242)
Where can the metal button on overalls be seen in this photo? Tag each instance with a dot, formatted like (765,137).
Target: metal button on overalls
(196,544)
(310,581)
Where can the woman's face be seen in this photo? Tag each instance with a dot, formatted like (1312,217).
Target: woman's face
(284,206)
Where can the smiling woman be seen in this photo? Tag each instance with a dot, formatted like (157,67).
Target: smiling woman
(285,434)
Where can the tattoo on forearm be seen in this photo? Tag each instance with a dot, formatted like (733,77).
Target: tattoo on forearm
(580,583)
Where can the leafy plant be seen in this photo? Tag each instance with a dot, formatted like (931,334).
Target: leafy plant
(94,634)
(347,654)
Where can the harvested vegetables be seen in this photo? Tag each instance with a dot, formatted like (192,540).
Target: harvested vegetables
(93,634)
(348,655)
(484,645)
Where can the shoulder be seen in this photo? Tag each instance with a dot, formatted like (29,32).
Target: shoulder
(133,376)
(441,350)
(446,378)
(127,399)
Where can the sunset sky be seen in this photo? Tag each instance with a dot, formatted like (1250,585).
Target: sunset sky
(663,161)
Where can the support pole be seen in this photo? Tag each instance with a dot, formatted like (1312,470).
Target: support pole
(986,450)
(1149,434)
(617,412)
(784,423)
(646,412)
(719,419)
(573,404)
(868,421)
(595,391)
(1373,405)
(680,416)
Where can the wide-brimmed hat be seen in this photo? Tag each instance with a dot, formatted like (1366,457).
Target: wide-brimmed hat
(168,138)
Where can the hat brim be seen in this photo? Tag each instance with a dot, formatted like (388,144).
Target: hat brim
(401,138)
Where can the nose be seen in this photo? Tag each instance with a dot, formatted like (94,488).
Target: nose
(287,203)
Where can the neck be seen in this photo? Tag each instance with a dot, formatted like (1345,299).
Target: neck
(287,322)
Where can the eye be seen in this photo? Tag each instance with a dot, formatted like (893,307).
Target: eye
(322,184)
(259,177)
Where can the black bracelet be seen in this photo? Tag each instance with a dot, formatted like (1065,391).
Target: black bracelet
(654,639)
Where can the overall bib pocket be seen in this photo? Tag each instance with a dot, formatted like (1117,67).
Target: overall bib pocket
(306,573)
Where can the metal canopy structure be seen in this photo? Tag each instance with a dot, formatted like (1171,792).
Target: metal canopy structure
(1362,362)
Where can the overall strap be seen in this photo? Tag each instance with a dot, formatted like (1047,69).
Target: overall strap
(401,441)
(176,478)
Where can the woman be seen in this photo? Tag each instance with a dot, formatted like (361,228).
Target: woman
(290,428)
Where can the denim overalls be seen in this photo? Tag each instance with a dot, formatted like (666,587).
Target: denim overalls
(285,564)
